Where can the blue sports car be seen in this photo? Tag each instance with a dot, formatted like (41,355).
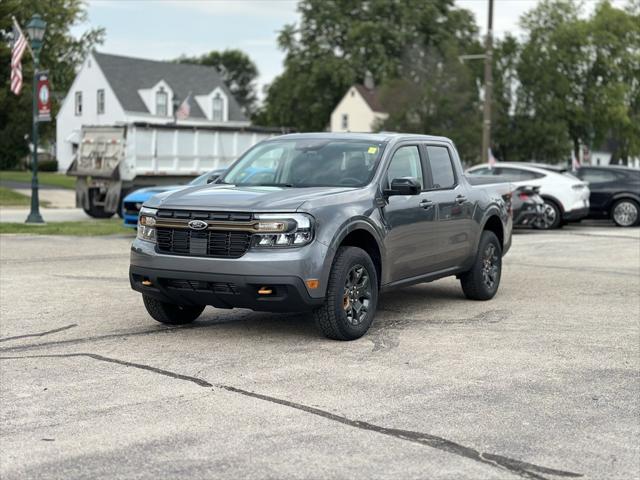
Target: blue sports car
(132,202)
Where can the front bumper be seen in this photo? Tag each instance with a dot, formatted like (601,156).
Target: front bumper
(576,214)
(289,293)
(289,268)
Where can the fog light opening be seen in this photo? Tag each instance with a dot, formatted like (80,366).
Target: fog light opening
(265,291)
(146,282)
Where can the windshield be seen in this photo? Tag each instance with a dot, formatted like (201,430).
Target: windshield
(307,163)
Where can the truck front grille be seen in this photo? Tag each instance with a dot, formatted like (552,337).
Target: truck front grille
(207,243)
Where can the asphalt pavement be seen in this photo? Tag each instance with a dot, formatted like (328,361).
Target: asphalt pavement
(541,382)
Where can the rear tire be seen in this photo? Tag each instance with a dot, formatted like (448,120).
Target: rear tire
(352,296)
(625,213)
(483,280)
(551,218)
(96,211)
(171,313)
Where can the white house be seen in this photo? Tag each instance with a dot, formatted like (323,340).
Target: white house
(359,110)
(112,89)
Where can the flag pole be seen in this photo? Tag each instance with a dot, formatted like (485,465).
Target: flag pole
(17,25)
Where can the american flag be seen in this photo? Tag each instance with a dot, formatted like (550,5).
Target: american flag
(19,46)
(185,109)
(575,162)
(492,159)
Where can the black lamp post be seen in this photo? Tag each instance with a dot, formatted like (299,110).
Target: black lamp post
(35,30)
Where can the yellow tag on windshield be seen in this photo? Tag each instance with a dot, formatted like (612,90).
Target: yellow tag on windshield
(372,150)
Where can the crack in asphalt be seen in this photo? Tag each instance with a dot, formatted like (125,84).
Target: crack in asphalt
(41,334)
(95,356)
(107,336)
(517,467)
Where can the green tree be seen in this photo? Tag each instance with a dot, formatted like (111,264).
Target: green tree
(579,78)
(337,41)
(238,71)
(436,94)
(61,54)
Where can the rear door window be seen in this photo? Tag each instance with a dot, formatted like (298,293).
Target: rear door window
(518,175)
(441,167)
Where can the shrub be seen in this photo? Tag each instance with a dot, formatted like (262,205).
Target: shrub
(48,166)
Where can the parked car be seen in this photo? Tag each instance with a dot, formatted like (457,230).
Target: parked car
(566,198)
(340,218)
(526,203)
(615,193)
(133,202)
(528,207)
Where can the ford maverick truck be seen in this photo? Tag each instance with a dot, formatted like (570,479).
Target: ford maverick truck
(330,222)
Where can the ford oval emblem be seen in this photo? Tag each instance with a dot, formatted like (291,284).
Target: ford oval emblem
(198,225)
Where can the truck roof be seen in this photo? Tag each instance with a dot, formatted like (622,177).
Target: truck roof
(370,137)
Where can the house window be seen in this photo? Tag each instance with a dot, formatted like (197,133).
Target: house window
(345,121)
(78,103)
(161,102)
(100,101)
(217,108)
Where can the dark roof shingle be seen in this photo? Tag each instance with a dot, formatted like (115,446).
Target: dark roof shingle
(127,75)
(370,96)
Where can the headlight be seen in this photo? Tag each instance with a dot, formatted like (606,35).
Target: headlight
(285,230)
(146,224)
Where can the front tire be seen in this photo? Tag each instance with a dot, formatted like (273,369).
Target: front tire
(352,296)
(625,213)
(483,280)
(171,313)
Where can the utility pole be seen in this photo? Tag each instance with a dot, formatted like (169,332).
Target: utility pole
(488,87)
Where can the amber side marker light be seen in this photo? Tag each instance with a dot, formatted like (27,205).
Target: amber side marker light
(265,291)
(312,283)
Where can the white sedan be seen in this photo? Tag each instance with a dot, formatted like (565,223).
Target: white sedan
(566,198)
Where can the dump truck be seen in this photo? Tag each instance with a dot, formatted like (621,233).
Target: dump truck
(112,161)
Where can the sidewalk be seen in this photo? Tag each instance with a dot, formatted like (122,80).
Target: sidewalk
(57,197)
(19,215)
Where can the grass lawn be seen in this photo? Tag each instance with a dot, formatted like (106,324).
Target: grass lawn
(45,178)
(85,228)
(10,198)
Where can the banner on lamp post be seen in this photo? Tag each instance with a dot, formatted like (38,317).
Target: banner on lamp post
(43,92)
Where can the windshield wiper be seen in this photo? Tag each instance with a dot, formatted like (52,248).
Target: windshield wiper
(288,185)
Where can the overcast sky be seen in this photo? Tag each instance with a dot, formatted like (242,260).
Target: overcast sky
(165,29)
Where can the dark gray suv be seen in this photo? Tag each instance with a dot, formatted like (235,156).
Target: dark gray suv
(321,223)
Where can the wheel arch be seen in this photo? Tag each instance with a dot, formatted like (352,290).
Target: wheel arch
(493,223)
(555,200)
(361,234)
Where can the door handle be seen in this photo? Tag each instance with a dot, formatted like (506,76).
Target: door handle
(461,199)
(426,204)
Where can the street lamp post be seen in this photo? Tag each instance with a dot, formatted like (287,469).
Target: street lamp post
(35,30)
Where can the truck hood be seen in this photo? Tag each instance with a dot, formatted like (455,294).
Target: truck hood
(246,199)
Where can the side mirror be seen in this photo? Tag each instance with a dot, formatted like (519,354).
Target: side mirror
(404,186)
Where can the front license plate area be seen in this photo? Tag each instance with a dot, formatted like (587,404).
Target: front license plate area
(198,243)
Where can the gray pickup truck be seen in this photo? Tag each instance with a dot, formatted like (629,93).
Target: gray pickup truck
(321,223)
